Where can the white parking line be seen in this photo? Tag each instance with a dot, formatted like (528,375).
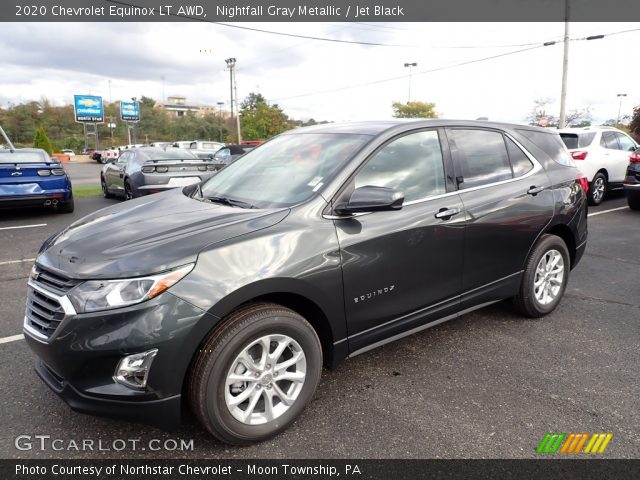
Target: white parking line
(607,211)
(11,339)
(24,226)
(9,262)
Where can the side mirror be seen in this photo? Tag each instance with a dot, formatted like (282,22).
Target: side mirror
(371,199)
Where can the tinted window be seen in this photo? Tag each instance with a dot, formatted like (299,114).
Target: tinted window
(22,157)
(519,160)
(625,142)
(481,156)
(609,141)
(577,140)
(550,144)
(411,164)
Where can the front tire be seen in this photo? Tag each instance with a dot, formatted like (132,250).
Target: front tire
(128,192)
(597,189)
(255,374)
(545,277)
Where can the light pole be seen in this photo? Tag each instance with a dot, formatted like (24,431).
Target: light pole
(110,117)
(221,121)
(620,95)
(231,63)
(410,65)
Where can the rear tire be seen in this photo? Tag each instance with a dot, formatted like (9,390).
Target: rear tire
(597,189)
(545,277)
(253,346)
(633,201)
(66,207)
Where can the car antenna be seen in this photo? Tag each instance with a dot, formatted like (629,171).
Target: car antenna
(11,147)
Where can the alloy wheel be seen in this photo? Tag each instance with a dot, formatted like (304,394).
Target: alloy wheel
(549,277)
(265,379)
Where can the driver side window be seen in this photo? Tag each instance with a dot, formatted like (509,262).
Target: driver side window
(411,164)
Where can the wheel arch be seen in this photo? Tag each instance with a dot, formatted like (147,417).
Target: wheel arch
(565,233)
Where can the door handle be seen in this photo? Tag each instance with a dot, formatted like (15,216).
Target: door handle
(447,213)
(533,190)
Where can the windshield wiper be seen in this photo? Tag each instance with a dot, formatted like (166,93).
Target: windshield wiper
(232,202)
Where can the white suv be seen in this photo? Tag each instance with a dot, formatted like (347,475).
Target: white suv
(602,154)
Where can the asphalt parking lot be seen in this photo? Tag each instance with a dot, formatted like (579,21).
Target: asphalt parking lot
(487,385)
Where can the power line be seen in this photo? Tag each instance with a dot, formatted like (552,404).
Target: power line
(424,72)
(272,32)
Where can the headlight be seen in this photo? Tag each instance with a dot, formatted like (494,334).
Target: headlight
(96,295)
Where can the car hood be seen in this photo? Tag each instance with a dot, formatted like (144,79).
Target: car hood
(148,235)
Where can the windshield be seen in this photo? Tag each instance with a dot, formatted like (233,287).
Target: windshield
(285,171)
(22,157)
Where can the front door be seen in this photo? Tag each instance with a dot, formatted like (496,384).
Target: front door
(402,268)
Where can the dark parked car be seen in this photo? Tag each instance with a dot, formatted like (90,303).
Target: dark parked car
(145,170)
(325,242)
(229,153)
(631,183)
(30,178)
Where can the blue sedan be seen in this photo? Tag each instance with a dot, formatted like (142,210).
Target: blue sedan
(30,178)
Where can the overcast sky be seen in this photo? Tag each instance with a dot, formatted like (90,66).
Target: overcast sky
(59,60)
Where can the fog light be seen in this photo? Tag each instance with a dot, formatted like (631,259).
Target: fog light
(133,370)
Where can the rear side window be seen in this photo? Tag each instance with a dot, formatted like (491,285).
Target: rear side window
(625,142)
(609,141)
(519,161)
(577,140)
(481,156)
(411,164)
(551,144)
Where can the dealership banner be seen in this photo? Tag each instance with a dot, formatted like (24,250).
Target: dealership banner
(192,469)
(316,10)
(88,108)
(130,111)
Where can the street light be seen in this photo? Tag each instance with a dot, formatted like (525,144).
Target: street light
(220,104)
(619,95)
(231,65)
(410,65)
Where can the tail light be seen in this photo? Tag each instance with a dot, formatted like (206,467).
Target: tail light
(148,169)
(212,167)
(584,183)
(635,157)
(579,155)
(44,173)
(202,168)
(162,169)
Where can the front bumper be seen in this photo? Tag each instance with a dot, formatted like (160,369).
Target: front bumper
(78,361)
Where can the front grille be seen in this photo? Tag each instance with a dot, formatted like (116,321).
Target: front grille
(43,313)
(54,281)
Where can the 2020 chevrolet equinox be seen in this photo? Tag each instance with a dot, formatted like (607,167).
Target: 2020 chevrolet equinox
(229,296)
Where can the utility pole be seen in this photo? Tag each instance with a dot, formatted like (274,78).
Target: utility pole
(410,65)
(231,63)
(565,67)
(220,104)
(620,95)
(235,87)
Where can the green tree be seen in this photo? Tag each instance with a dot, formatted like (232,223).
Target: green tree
(40,140)
(414,110)
(260,120)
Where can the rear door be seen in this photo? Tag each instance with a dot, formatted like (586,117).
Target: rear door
(114,175)
(507,202)
(402,269)
(615,159)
